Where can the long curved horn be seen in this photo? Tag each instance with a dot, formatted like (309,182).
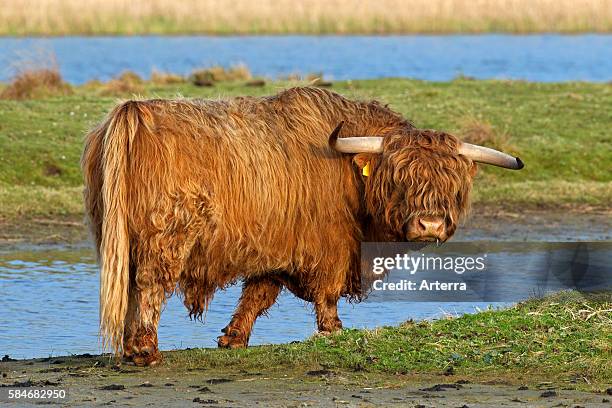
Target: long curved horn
(486,155)
(366,144)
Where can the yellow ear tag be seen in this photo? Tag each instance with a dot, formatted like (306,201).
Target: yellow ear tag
(366,170)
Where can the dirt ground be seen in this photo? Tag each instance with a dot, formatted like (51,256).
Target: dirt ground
(531,224)
(96,381)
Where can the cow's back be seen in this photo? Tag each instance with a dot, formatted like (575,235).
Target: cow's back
(254,175)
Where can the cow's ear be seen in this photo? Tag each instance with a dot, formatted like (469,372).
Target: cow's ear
(474,169)
(362,161)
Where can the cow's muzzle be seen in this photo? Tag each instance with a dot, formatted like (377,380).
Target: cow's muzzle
(427,229)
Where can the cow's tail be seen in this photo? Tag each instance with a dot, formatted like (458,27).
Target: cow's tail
(123,124)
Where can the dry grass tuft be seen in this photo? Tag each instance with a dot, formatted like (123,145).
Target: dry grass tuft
(474,130)
(34,83)
(166,78)
(127,82)
(208,76)
(131,77)
(576,306)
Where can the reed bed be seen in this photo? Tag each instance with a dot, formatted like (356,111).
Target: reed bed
(119,17)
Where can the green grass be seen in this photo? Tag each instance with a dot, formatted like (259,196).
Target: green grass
(561,131)
(566,337)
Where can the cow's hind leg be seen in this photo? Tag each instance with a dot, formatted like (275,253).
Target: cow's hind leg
(140,335)
(131,322)
(159,262)
(258,294)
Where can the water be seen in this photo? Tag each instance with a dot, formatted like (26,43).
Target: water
(547,58)
(49,305)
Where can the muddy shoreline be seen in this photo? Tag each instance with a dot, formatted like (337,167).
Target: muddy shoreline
(484,223)
(97,381)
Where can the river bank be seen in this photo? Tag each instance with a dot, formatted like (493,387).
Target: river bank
(546,352)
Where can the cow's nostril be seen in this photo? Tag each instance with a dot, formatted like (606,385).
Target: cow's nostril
(422,224)
(431,225)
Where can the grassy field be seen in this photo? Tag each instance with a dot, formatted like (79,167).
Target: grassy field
(561,131)
(565,338)
(118,17)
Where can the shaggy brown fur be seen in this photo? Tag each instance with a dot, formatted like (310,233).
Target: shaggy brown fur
(197,194)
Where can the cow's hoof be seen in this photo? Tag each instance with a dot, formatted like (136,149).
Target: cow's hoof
(329,330)
(232,339)
(147,359)
(231,342)
(326,330)
(128,353)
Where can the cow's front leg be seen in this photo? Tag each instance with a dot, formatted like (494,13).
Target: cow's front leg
(140,334)
(258,294)
(323,294)
(326,308)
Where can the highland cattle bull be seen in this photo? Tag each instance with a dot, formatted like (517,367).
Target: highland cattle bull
(279,191)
